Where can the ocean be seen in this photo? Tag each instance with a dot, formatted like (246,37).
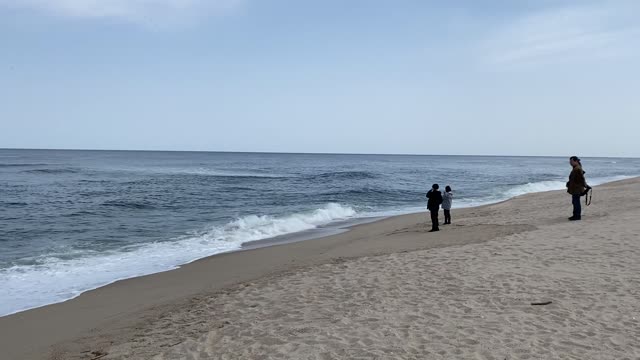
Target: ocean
(71,221)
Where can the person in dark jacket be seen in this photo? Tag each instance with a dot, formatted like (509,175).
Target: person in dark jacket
(576,186)
(433,204)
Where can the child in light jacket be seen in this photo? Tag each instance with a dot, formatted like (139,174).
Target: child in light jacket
(447,199)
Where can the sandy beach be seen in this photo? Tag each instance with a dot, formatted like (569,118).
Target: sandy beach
(383,290)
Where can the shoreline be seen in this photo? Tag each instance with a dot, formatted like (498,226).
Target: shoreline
(174,252)
(330,229)
(98,314)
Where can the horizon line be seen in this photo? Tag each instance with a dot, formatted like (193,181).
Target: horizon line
(310,153)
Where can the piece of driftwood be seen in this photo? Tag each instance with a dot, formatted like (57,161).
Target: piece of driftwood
(542,303)
(98,354)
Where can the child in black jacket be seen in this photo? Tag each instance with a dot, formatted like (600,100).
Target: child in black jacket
(433,204)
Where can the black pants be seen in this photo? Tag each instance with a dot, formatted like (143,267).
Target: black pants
(577,207)
(434,220)
(447,216)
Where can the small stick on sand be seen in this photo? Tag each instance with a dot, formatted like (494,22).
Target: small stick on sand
(542,303)
(98,354)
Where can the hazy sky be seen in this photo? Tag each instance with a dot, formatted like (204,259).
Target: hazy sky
(545,77)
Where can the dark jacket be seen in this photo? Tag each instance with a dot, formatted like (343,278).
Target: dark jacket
(435,199)
(577,182)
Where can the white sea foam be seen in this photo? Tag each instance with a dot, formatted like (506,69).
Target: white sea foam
(534,188)
(555,185)
(53,279)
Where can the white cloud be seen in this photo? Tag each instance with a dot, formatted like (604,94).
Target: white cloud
(565,34)
(135,11)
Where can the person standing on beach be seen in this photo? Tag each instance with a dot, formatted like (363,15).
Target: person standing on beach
(433,204)
(576,186)
(447,199)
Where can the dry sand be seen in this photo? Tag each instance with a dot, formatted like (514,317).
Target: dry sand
(386,290)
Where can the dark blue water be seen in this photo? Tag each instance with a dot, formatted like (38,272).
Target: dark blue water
(74,220)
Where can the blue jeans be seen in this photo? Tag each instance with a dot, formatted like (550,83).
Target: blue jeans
(577,207)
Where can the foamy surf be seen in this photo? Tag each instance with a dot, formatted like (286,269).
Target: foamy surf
(52,279)
(555,185)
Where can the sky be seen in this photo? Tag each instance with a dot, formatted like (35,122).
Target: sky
(546,77)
